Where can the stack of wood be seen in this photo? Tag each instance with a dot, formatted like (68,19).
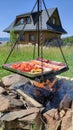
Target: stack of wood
(18,111)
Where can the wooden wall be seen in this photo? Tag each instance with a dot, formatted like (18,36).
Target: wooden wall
(46,35)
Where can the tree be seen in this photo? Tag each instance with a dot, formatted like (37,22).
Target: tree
(13,37)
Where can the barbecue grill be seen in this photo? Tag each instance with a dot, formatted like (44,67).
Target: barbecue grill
(45,73)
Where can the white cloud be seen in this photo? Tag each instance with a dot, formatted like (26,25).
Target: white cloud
(3,34)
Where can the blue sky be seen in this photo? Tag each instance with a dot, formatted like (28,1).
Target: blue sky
(10,8)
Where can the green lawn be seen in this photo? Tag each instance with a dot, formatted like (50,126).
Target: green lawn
(1,129)
(26,53)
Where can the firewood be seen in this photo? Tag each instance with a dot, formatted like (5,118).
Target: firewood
(29,99)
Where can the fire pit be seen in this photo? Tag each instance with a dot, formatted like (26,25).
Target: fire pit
(41,92)
(55,110)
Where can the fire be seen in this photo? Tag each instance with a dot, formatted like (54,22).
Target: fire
(47,85)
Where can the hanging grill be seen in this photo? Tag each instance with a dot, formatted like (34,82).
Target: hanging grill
(48,69)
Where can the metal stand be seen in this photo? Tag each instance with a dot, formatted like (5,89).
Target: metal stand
(40,45)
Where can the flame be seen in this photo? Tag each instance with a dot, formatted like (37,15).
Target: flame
(48,84)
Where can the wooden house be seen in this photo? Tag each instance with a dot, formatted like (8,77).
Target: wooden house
(51,26)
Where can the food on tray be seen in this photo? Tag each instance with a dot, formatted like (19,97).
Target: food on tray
(36,66)
(43,60)
(36,71)
(50,62)
(27,67)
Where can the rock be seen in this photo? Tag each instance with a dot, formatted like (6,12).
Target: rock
(29,118)
(4,103)
(19,114)
(57,116)
(65,103)
(1,84)
(14,103)
(16,125)
(62,113)
(70,128)
(2,90)
(51,112)
(67,121)
(52,124)
(12,79)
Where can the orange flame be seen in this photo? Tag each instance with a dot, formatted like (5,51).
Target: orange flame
(48,84)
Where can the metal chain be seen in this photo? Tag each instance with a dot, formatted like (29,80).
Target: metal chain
(41,36)
(41,39)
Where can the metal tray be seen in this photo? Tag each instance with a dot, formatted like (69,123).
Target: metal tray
(45,74)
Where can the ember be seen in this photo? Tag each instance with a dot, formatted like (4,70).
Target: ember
(46,85)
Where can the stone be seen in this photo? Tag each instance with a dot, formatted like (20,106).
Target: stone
(2,90)
(14,103)
(65,103)
(57,116)
(51,112)
(19,114)
(29,118)
(51,124)
(4,103)
(72,107)
(67,121)
(16,125)
(62,113)
(12,79)
(1,84)
(70,128)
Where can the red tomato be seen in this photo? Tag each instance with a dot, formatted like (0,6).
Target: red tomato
(14,66)
(26,67)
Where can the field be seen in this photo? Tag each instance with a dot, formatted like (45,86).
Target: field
(26,53)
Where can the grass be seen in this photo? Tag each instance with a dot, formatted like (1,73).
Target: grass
(26,53)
